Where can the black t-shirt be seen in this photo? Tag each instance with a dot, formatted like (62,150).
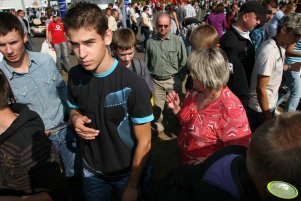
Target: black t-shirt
(114,101)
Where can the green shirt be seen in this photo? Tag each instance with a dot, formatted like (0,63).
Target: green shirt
(165,57)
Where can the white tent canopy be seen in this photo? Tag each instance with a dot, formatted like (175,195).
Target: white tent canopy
(12,4)
(22,4)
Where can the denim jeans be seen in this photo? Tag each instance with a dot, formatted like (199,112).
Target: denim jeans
(65,143)
(185,38)
(146,33)
(98,188)
(293,82)
(62,53)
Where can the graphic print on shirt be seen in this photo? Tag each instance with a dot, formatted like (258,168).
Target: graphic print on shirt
(119,98)
(58,27)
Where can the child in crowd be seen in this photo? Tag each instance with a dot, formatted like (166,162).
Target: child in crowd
(124,48)
(203,36)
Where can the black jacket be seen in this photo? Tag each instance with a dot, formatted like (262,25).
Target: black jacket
(241,54)
(28,160)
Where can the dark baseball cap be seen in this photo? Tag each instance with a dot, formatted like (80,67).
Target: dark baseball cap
(253,6)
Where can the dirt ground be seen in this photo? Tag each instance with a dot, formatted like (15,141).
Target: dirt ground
(164,155)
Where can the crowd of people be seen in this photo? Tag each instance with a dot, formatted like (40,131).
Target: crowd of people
(90,138)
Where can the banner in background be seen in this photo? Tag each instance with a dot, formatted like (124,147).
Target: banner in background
(63,7)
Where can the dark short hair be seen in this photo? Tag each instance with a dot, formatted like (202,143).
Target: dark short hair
(108,9)
(86,15)
(9,23)
(114,10)
(145,8)
(272,3)
(20,11)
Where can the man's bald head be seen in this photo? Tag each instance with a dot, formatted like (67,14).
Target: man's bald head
(163,25)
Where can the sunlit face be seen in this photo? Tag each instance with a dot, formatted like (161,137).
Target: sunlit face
(163,26)
(125,56)
(115,15)
(108,13)
(55,18)
(251,20)
(273,12)
(235,8)
(21,14)
(89,47)
(12,47)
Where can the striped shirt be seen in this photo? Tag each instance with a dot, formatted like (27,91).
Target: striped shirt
(291,60)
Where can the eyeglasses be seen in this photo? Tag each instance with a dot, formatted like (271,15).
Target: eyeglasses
(163,25)
(271,12)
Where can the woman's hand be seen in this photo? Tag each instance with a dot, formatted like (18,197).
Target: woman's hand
(173,101)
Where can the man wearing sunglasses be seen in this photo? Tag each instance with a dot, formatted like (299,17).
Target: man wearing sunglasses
(165,57)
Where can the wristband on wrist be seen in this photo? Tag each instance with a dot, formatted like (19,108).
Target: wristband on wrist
(289,66)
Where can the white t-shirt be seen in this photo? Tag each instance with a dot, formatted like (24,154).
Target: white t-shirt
(127,12)
(150,11)
(133,15)
(146,21)
(190,11)
(112,24)
(269,62)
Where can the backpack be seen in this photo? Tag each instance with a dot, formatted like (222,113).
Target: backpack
(137,67)
(185,184)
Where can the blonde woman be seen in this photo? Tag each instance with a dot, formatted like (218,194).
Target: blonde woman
(211,116)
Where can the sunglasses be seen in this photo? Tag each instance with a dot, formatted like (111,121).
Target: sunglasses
(163,25)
